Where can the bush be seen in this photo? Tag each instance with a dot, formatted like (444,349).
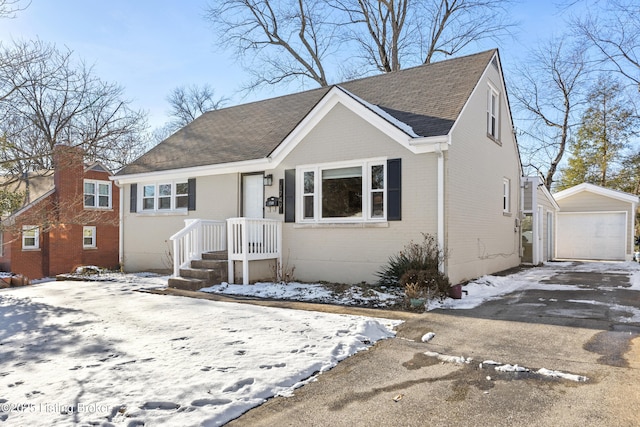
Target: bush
(426,284)
(424,257)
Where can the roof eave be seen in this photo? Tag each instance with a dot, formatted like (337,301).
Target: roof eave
(193,172)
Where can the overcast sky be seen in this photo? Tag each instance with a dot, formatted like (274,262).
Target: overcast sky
(153,46)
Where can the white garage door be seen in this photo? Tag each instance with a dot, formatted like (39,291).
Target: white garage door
(592,235)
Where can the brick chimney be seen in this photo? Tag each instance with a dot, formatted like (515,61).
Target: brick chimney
(68,163)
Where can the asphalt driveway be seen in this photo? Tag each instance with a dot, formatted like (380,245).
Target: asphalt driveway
(581,294)
(580,319)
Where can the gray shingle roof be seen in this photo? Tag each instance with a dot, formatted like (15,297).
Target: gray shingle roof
(428,98)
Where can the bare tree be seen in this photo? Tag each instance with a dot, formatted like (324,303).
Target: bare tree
(380,30)
(186,103)
(281,40)
(9,8)
(550,94)
(454,24)
(300,39)
(55,99)
(389,33)
(614,30)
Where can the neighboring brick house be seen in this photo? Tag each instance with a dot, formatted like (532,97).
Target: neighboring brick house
(73,223)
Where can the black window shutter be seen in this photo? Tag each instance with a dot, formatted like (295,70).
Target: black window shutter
(133,198)
(191,203)
(394,189)
(290,195)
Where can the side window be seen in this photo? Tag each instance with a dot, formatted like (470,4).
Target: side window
(506,195)
(493,113)
(88,237)
(149,197)
(308,195)
(376,187)
(182,195)
(30,237)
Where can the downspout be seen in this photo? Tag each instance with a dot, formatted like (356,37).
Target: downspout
(440,178)
(121,227)
(535,235)
(634,210)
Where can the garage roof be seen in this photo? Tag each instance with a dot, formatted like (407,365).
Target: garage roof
(596,189)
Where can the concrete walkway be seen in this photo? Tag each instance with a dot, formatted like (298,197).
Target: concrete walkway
(395,384)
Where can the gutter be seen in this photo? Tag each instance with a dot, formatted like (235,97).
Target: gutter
(120,226)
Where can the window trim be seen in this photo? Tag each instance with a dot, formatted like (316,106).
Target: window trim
(493,117)
(367,192)
(96,194)
(156,196)
(506,195)
(36,237)
(93,244)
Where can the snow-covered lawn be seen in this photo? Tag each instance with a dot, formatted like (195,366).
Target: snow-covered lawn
(330,294)
(483,289)
(102,353)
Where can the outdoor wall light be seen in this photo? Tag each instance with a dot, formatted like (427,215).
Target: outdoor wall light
(268,180)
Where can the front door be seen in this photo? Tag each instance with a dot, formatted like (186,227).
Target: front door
(252,196)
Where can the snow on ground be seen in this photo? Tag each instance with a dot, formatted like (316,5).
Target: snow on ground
(500,367)
(352,295)
(484,289)
(102,353)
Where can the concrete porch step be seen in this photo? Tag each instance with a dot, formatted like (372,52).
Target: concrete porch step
(208,275)
(187,284)
(212,264)
(212,269)
(218,255)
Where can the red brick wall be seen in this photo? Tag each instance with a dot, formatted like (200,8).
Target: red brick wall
(29,263)
(65,248)
(69,169)
(61,243)
(106,222)
(106,253)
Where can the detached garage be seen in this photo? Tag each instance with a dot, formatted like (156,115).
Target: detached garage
(595,223)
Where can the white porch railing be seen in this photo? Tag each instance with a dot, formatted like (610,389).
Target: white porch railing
(252,239)
(198,236)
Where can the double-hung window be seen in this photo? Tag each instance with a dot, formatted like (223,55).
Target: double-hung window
(343,192)
(165,196)
(493,112)
(97,194)
(88,237)
(30,237)
(506,195)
